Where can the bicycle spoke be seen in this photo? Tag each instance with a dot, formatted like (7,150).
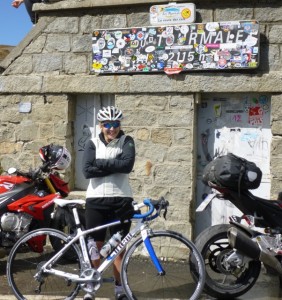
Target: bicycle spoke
(141,279)
(27,280)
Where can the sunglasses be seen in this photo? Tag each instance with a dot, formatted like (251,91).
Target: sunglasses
(109,125)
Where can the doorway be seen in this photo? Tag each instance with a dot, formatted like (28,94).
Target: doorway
(237,123)
(86,127)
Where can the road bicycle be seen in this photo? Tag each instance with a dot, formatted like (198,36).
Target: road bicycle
(156,265)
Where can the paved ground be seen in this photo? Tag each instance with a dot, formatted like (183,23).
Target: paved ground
(266,288)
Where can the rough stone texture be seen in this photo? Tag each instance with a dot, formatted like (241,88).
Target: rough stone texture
(64,24)
(52,65)
(276,146)
(162,165)
(23,133)
(58,43)
(161,136)
(36,46)
(275,34)
(47,62)
(268,11)
(227,13)
(22,65)
(88,23)
(76,64)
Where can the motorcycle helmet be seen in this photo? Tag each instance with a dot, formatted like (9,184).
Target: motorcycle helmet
(58,156)
(109,113)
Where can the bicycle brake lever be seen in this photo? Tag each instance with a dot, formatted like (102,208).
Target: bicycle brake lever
(163,206)
(165,212)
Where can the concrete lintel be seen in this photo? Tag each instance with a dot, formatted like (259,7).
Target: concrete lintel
(138,84)
(77,4)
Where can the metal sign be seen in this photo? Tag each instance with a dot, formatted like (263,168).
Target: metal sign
(172,13)
(172,49)
(25,107)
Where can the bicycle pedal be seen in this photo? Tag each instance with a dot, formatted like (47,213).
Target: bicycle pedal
(88,297)
(121,297)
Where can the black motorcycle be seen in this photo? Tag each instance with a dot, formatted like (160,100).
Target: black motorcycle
(234,252)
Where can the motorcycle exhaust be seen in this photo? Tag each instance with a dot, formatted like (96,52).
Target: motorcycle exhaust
(246,245)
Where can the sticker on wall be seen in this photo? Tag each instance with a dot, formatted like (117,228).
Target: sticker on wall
(217,110)
(172,13)
(177,48)
(255,115)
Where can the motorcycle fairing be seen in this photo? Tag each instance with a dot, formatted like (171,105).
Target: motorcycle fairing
(59,184)
(36,243)
(17,192)
(33,205)
(8,181)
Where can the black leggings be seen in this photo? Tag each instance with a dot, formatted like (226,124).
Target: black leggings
(28,5)
(96,217)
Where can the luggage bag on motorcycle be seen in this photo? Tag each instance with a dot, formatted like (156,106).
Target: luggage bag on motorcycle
(233,172)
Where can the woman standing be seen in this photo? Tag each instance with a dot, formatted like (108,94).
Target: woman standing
(107,162)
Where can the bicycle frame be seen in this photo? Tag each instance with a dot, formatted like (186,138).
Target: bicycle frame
(140,228)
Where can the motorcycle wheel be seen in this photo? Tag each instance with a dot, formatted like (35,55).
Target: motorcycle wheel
(222,280)
(63,220)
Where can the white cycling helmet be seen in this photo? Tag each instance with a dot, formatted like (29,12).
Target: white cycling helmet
(109,113)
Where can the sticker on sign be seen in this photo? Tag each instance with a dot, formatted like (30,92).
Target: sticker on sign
(172,13)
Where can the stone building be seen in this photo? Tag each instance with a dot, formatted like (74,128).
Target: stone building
(47,82)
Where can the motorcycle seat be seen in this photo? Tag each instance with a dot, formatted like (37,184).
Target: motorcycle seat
(268,202)
(64,202)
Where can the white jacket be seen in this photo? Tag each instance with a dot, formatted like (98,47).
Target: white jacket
(115,184)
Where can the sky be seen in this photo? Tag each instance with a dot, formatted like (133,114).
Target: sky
(14,23)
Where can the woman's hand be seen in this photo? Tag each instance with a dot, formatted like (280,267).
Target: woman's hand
(17,3)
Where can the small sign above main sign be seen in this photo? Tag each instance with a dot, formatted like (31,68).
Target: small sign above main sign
(172,13)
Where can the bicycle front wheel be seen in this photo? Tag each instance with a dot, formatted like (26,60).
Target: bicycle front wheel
(27,257)
(175,253)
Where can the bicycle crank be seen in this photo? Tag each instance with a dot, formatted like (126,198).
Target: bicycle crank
(93,280)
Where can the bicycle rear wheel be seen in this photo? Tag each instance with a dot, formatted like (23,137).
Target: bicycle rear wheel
(25,261)
(141,279)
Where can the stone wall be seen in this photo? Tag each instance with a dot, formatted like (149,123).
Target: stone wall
(22,134)
(51,66)
(162,127)
(276,147)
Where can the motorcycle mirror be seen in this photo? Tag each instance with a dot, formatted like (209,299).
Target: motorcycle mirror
(12,171)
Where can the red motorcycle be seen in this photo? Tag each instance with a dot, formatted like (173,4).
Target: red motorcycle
(27,198)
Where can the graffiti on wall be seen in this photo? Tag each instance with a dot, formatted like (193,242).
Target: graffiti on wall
(236,123)
(176,48)
(240,126)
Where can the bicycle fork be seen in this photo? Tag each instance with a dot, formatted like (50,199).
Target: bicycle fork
(145,233)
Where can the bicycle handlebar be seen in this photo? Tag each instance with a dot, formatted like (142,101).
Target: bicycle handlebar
(157,205)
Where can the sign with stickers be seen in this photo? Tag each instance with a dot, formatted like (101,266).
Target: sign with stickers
(177,48)
(172,13)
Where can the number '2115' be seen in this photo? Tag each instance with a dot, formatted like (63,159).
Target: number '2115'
(181,56)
